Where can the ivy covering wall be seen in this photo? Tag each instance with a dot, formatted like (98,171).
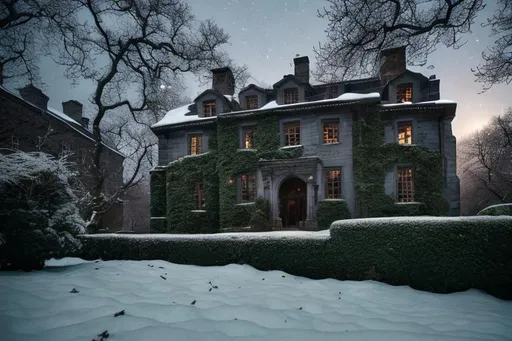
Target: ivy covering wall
(372,159)
(232,162)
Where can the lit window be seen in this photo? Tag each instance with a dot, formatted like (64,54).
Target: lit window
(252,102)
(248,137)
(195,145)
(404,132)
(331,131)
(247,188)
(291,96)
(66,149)
(199,196)
(404,93)
(333,184)
(209,108)
(405,185)
(291,133)
(15,142)
(333,91)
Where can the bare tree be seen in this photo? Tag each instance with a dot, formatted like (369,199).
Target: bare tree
(359,29)
(28,26)
(486,165)
(128,50)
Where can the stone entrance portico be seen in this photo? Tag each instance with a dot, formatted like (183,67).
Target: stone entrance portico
(275,172)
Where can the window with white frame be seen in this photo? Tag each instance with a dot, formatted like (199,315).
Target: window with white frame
(252,101)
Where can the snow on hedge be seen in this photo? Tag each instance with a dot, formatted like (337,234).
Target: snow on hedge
(74,300)
(439,222)
(218,236)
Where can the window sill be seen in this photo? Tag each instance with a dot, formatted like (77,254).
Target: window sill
(330,143)
(198,211)
(245,203)
(407,144)
(247,149)
(334,199)
(407,203)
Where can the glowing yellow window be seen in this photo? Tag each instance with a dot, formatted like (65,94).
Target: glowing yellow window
(404,132)
(195,145)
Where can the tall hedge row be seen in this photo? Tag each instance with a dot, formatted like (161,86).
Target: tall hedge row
(434,254)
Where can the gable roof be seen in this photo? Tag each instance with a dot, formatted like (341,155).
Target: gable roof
(229,100)
(255,87)
(287,78)
(61,117)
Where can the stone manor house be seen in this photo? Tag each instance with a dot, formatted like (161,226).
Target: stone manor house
(380,146)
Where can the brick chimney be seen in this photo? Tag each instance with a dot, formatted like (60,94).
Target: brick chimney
(223,81)
(73,109)
(35,96)
(392,63)
(302,69)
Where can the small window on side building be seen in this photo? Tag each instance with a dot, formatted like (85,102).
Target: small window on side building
(333,91)
(195,145)
(252,102)
(331,131)
(291,95)
(15,142)
(405,184)
(209,108)
(404,132)
(333,184)
(291,132)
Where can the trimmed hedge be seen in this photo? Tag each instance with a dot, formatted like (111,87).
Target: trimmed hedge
(428,253)
(496,210)
(439,254)
(329,211)
(295,255)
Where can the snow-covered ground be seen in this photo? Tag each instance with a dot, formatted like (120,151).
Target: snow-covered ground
(164,301)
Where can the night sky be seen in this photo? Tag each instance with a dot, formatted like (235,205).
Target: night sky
(267,34)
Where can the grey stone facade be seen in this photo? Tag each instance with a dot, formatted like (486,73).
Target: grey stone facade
(431,128)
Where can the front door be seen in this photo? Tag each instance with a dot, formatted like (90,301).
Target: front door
(292,202)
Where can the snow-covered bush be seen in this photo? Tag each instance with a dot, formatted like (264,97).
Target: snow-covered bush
(500,209)
(39,217)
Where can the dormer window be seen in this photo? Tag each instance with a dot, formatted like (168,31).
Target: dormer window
(252,102)
(291,95)
(209,108)
(404,93)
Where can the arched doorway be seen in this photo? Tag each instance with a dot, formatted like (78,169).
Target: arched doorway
(292,202)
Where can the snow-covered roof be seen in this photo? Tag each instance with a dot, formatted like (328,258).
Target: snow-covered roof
(180,115)
(184,115)
(439,101)
(64,119)
(346,97)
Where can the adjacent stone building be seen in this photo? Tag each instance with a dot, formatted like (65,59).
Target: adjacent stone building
(28,124)
(380,146)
